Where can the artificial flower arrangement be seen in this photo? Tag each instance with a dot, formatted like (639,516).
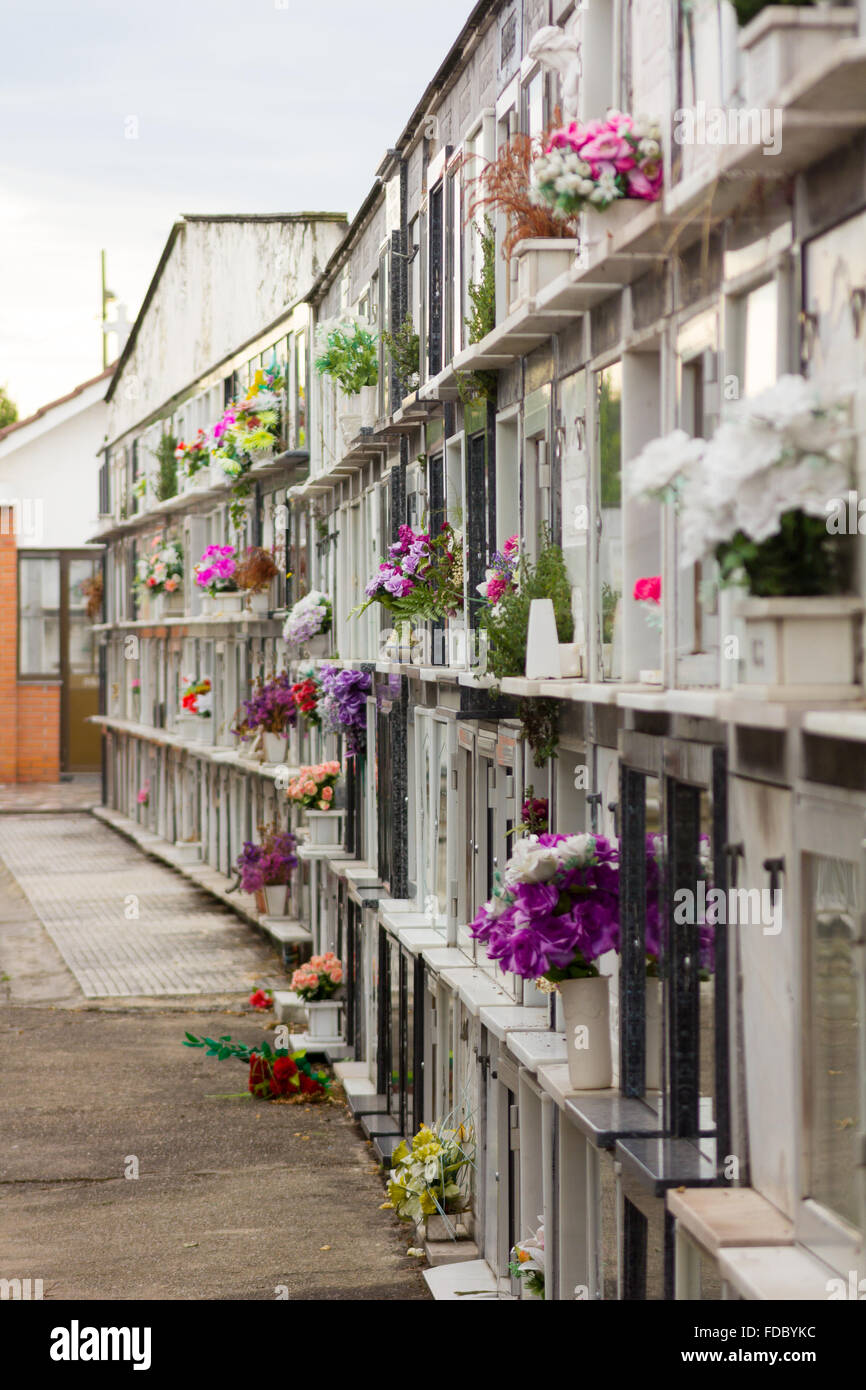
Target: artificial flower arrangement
(648,593)
(425,1177)
(313,788)
(92,593)
(161,569)
(306,694)
(501,577)
(255,570)
(143,796)
(255,430)
(319,979)
(215,571)
(342,707)
(262,998)
(350,356)
(274,1073)
(755,495)
(534,815)
(194,456)
(554,909)
(422,578)
(268,864)
(271,707)
(197,697)
(599,163)
(526,1262)
(310,617)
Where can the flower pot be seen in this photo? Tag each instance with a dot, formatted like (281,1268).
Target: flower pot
(448,1227)
(540,261)
(318,645)
(276,899)
(216,476)
(171,605)
(324,1020)
(601,226)
(586,1007)
(784,40)
(570,659)
(806,645)
(653,1034)
(257,603)
(275,747)
(204,728)
(232,602)
(325,827)
(349,425)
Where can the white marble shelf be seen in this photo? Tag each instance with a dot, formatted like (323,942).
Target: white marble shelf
(535,1048)
(501,1019)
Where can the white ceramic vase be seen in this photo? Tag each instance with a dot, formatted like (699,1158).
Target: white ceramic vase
(586,1008)
(325,827)
(276,899)
(275,747)
(324,1020)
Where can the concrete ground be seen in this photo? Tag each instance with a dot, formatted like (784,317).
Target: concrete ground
(234,1198)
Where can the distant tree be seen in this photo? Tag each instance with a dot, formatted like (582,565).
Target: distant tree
(8,409)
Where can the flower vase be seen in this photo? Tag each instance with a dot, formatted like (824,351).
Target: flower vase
(204,728)
(257,603)
(325,827)
(448,1227)
(653,1034)
(276,899)
(318,645)
(801,646)
(542,642)
(324,1020)
(586,1007)
(171,604)
(540,260)
(275,747)
(231,601)
(368,398)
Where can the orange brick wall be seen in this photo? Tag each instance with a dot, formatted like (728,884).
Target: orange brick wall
(29,713)
(38,751)
(8,649)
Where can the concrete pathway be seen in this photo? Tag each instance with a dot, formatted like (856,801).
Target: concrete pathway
(233,1199)
(124,924)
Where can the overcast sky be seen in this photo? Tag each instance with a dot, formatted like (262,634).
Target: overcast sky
(238,106)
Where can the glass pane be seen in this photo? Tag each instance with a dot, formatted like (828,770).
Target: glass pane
(610,501)
(442,830)
(759,338)
(833,905)
(575,499)
(39,615)
(82,649)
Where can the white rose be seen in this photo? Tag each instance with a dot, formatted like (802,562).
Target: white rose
(531,862)
(580,847)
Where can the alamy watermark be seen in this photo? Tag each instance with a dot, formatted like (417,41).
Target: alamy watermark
(749,907)
(729,125)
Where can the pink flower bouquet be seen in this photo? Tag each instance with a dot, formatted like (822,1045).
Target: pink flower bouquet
(319,978)
(594,165)
(215,570)
(314,786)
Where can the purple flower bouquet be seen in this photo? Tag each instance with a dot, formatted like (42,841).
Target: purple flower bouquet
(555,908)
(343,706)
(271,707)
(422,577)
(268,864)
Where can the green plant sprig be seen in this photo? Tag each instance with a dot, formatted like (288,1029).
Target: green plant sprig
(350,360)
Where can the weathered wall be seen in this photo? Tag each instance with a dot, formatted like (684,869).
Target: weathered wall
(222,284)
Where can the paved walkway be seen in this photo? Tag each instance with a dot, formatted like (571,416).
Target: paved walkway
(78,793)
(234,1198)
(124,924)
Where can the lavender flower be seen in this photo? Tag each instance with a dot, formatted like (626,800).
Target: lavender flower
(343,705)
